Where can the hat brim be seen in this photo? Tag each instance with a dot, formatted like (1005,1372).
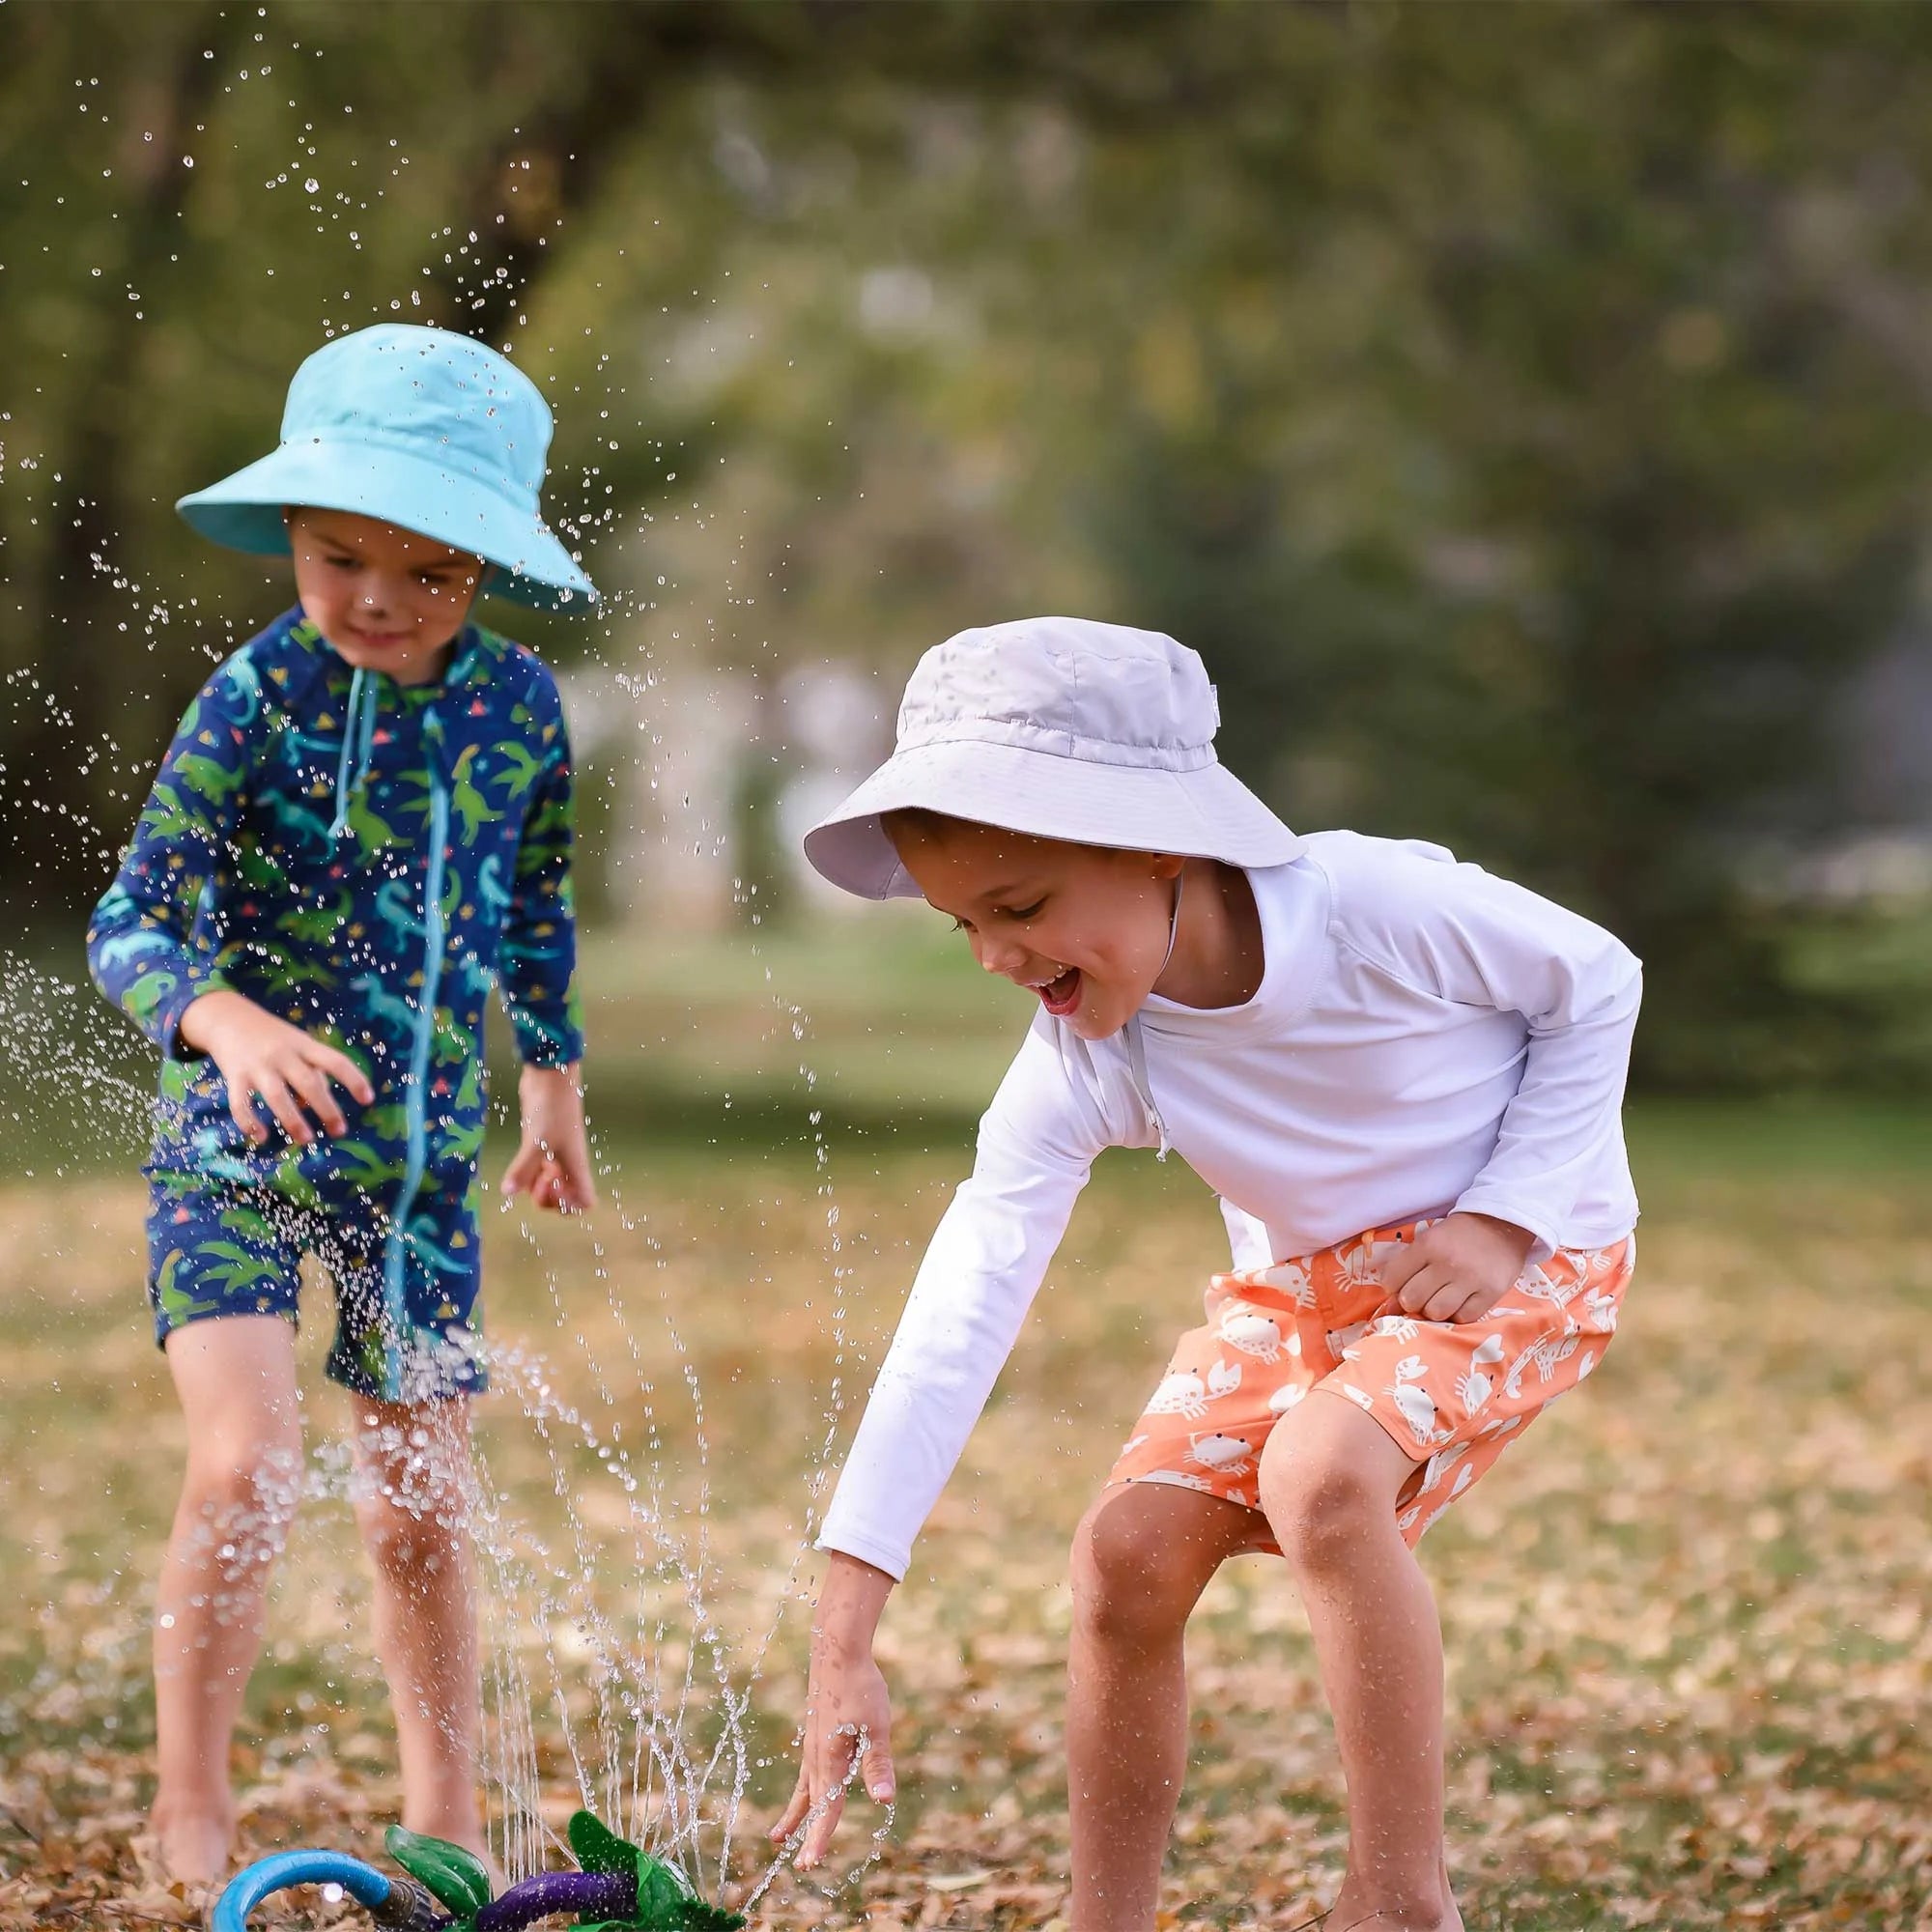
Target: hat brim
(1205,814)
(244,512)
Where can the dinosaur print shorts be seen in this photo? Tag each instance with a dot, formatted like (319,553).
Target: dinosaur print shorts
(1451,1395)
(235,1247)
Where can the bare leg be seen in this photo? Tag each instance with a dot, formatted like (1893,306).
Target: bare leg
(413,1504)
(1329,1479)
(235,1378)
(1140,1558)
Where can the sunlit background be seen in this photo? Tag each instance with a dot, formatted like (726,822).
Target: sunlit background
(1526,411)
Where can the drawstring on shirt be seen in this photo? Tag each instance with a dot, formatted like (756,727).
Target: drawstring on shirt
(1137,1047)
(1173,921)
(358,738)
(1137,1062)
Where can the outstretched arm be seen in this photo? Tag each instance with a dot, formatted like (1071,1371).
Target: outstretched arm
(146,956)
(141,943)
(848,1718)
(979,1278)
(538,971)
(537,953)
(1458,934)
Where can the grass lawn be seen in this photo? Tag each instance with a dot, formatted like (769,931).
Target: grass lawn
(1691,1662)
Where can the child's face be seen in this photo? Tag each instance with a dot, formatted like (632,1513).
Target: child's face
(387,599)
(1084,928)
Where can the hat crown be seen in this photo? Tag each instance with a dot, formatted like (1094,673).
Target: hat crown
(1101,692)
(430,391)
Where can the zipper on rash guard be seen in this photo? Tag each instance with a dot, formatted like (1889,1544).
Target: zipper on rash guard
(359,741)
(415,1094)
(1137,1065)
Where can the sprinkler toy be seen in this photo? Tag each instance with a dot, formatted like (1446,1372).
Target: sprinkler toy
(617,1887)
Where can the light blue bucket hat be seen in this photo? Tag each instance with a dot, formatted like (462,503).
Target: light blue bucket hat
(420,427)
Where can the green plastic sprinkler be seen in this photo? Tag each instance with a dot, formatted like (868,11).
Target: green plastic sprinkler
(617,1887)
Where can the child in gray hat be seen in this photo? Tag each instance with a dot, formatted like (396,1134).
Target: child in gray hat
(1402,1077)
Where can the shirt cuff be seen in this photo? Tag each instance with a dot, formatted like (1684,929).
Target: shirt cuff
(544,1041)
(1499,1207)
(170,1014)
(894,1558)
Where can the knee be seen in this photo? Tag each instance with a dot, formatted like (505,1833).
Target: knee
(404,1538)
(243,1486)
(410,1501)
(1131,1582)
(1318,1501)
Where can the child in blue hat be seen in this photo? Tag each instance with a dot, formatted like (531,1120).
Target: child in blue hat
(361,827)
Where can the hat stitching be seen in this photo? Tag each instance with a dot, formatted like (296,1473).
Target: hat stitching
(1051,741)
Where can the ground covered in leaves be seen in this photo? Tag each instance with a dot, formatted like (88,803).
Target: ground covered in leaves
(1690,1657)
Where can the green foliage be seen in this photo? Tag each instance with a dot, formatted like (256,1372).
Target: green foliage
(1580,600)
(1528,425)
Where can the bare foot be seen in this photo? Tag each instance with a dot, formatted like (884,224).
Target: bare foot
(190,1843)
(1349,1914)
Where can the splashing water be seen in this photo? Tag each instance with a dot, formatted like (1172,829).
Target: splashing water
(621,1662)
(597,1619)
(633,1674)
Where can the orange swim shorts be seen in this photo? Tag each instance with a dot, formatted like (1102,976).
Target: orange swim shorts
(1451,1395)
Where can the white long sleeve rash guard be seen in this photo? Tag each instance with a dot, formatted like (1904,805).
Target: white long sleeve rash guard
(1425,1039)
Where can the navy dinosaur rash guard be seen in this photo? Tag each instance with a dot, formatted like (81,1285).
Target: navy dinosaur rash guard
(365,860)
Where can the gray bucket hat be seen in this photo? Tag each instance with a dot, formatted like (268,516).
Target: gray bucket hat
(1063,728)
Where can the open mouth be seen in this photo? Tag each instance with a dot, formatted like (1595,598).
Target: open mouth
(1061,996)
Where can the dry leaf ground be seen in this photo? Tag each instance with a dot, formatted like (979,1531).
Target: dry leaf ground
(1690,1656)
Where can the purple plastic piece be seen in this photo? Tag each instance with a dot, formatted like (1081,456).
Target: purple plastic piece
(587,1895)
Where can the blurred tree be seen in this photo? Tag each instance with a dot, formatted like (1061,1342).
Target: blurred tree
(206,191)
(1528,426)
(1645,483)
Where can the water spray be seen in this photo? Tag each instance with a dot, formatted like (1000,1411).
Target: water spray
(445,1888)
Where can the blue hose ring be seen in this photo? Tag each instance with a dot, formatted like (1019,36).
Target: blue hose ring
(246,1889)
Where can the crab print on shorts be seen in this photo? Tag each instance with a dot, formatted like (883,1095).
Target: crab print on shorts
(1451,1395)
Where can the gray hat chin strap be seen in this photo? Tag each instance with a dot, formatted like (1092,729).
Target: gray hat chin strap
(1173,921)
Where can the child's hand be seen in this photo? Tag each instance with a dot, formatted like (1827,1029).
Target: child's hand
(266,1057)
(848,1716)
(1458,1269)
(554,1162)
